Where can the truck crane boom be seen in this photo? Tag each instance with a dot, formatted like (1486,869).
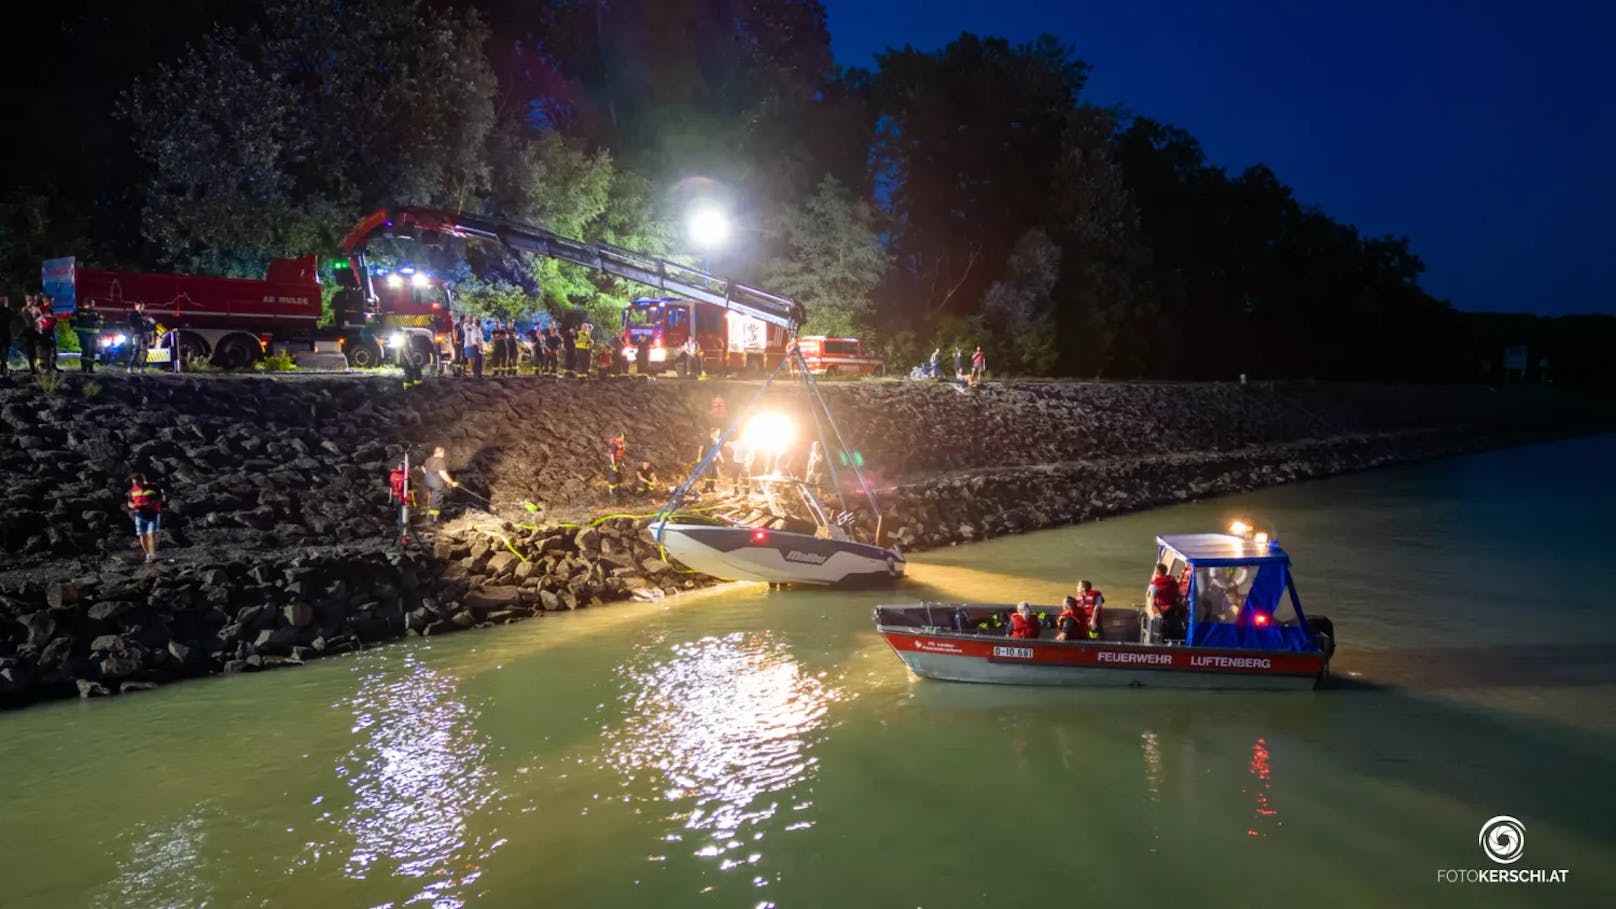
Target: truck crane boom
(411,222)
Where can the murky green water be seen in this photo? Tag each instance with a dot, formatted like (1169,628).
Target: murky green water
(739,748)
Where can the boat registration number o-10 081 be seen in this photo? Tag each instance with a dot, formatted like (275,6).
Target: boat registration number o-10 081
(1014,653)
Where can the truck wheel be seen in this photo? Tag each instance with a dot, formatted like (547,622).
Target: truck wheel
(830,372)
(879,371)
(363,355)
(235,352)
(754,367)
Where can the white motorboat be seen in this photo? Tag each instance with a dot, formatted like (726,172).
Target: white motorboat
(774,527)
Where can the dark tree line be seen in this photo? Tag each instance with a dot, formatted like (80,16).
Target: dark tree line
(967,194)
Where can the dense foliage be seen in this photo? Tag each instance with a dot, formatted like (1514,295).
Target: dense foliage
(963,195)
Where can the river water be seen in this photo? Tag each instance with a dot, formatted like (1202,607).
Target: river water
(738,747)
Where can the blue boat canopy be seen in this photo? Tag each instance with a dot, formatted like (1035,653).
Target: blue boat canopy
(1239,592)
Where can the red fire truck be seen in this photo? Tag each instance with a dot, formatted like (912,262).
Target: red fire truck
(726,340)
(838,357)
(235,321)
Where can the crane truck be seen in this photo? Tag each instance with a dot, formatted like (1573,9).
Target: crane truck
(736,327)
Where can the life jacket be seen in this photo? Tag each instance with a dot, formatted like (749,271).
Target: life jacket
(614,452)
(1075,614)
(145,500)
(1167,593)
(1022,627)
(396,483)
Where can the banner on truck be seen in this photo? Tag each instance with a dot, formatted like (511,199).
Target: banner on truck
(56,280)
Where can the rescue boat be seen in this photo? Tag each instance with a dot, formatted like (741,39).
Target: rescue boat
(1241,625)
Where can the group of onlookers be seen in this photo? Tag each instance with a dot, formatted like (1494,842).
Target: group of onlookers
(552,350)
(32,329)
(933,368)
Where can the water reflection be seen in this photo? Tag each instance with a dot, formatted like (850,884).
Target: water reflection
(418,774)
(1264,814)
(725,724)
(164,868)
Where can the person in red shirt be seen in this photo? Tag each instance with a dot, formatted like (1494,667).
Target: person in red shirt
(1023,624)
(1164,605)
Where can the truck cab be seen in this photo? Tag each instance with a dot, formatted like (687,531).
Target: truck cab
(411,313)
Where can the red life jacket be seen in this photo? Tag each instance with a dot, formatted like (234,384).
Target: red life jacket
(1075,613)
(1088,601)
(614,453)
(395,484)
(1166,592)
(143,500)
(1023,627)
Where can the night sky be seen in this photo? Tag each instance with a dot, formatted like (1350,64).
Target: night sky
(1483,131)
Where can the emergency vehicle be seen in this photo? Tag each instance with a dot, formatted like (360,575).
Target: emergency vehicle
(726,340)
(838,357)
(235,321)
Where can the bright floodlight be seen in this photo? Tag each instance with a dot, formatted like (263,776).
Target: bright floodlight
(418,280)
(709,227)
(1238,528)
(768,431)
(395,280)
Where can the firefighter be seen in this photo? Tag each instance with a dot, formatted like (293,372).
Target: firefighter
(552,350)
(645,481)
(140,337)
(412,362)
(86,322)
(435,474)
(616,450)
(583,348)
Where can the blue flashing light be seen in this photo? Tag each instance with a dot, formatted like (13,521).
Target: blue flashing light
(406,270)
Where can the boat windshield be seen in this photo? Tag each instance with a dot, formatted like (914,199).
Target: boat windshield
(1246,605)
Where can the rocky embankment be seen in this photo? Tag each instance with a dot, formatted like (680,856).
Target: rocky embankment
(280,539)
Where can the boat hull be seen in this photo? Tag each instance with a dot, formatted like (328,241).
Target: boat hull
(1008,661)
(778,557)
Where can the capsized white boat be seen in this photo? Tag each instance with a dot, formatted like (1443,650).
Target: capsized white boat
(768,546)
(774,527)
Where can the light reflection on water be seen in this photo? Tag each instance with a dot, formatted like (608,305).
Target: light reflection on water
(418,772)
(726,724)
(163,867)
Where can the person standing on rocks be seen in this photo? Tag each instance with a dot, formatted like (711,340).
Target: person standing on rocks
(140,337)
(616,451)
(438,482)
(86,323)
(146,507)
(474,346)
(979,365)
(959,369)
(5,337)
(936,362)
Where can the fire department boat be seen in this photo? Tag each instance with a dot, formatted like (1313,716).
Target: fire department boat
(1243,627)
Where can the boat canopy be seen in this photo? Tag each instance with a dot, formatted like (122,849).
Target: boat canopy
(1239,592)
